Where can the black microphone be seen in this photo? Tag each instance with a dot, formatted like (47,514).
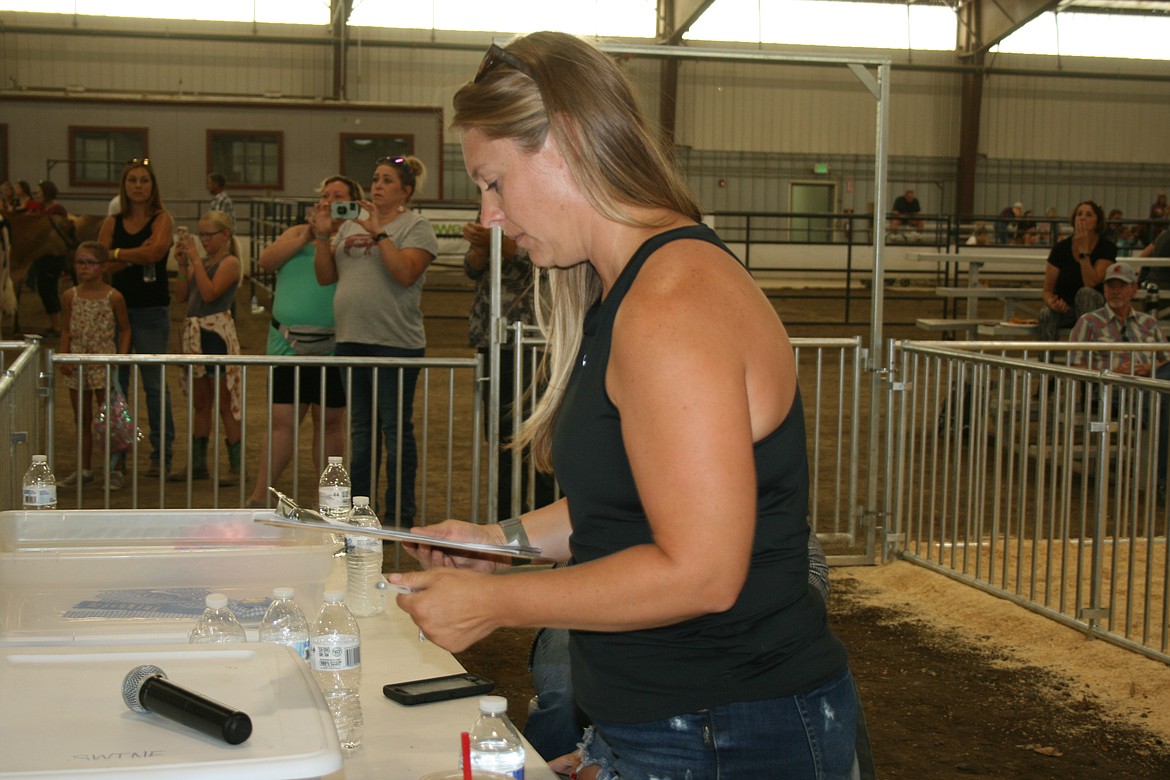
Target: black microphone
(147,689)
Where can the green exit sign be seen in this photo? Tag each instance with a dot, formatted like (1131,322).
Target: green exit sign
(820,167)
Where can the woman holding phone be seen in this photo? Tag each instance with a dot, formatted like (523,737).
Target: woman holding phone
(378,261)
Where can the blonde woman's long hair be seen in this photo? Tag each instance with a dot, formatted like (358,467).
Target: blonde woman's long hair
(574,91)
(224,221)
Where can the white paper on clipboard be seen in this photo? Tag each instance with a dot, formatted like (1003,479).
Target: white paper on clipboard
(394,535)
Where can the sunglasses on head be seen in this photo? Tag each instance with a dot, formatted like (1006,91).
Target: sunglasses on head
(497,55)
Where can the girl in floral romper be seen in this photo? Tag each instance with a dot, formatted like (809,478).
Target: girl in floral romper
(96,323)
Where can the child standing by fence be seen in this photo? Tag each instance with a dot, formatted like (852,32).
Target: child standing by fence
(95,322)
(209,284)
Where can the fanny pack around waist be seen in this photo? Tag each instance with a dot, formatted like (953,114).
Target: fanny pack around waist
(311,340)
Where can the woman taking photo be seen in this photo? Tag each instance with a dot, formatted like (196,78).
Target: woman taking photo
(139,237)
(379,261)
(1075,272)
(303,324)
(675,425)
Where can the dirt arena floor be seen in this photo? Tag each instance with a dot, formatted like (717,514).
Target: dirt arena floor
(955,683)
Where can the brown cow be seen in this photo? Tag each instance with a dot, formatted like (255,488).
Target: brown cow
(37,235)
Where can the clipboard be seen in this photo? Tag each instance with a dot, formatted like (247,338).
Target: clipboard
(289,515)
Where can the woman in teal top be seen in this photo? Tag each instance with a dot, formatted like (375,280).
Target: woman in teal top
(302,324)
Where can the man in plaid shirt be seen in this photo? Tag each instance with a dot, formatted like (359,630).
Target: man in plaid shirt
(1117,321)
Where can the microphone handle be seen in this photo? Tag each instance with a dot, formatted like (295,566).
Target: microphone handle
(163,697)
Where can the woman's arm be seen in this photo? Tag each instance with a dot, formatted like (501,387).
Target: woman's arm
(405,266)
(1051,299)
(154,247)
(286,247)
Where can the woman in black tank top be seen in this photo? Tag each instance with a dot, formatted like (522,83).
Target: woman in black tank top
(139,240)
(674,425)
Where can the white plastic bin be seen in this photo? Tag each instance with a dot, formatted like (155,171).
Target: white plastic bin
(135,576)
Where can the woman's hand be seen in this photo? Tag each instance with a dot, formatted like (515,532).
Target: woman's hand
(370,223)
(320,221)
(452,607)
(432,557)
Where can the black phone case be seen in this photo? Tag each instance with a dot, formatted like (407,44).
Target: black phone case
(409,693)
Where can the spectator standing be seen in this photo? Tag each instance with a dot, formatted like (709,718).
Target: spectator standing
(7,198)
(379,264)
(24,198)
(517,285)
(46,270)
(1076,267)
(906,210)
(140,239)
(303,324)
(96,323)
(1159,214)
(220,200)
(1007,227)
(209,283)
(675,423)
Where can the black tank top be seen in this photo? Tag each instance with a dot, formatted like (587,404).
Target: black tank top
(773,642)
(129,281)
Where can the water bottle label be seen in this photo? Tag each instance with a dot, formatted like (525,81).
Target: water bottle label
(331,654)
(363,544)
(334,497)
(40,496)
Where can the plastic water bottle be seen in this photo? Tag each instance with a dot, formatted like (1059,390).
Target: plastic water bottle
(285,624)
(217,624)
(149,273)
(40,486)
(335,652)
(495,743)
(333,493)
(363,563)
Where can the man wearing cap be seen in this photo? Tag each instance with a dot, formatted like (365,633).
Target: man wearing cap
(1008,226)
(1117,321)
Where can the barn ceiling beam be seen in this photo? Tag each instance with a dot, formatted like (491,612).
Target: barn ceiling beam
(675,18)
(984,23)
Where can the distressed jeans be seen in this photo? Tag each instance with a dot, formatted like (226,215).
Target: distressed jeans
(810,736)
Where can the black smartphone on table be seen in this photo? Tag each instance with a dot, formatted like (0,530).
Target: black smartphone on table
(452,686)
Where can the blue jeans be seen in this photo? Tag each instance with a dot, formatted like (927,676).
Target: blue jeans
(810,736)
(364,416)
(150,333)
(555,727)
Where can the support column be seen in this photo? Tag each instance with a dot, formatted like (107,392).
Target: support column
(970,117)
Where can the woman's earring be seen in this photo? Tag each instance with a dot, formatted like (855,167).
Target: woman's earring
(401,209)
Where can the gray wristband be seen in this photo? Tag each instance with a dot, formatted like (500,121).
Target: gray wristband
(514,532)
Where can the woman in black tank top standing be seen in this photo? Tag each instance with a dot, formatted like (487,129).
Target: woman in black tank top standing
(139,240)
(673,420)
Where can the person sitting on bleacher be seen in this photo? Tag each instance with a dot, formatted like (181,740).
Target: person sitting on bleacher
(1115,322)
(1073,276)
(1118,321)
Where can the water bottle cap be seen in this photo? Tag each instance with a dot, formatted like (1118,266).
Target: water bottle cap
(282,593)
(361,500)
(334,596)
(216,600)
(493,705)
(334,459)
(40,458)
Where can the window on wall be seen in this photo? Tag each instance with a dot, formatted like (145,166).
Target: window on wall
(98,154)
(247,159)
(360,152)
